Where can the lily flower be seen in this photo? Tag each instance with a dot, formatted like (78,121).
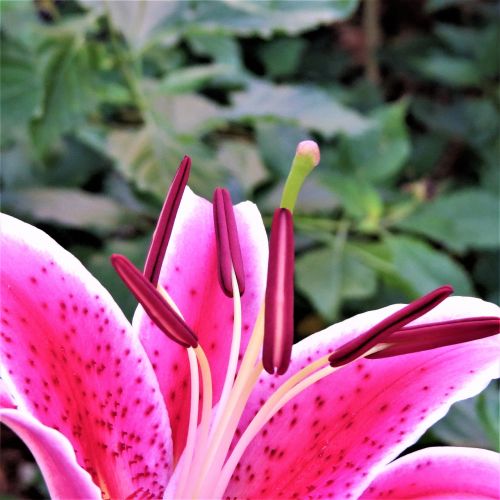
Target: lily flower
(203,396)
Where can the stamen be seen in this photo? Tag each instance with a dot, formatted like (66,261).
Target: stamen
(222,408)
(221,436)
(155,306)
(165,222)
(206,411)
(378,334)
(278,332)
(228,245)
(434,335)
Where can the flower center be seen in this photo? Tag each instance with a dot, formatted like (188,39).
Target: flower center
(207,464)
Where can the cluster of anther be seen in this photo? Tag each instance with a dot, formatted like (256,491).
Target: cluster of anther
(390,337)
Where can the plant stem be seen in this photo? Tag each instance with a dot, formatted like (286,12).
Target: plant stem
(371,27)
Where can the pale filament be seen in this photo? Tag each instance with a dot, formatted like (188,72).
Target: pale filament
(193,421)
(233,355)
(206,415)
(213,447)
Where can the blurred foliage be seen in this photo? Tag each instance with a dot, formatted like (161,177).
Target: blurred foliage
(101,99)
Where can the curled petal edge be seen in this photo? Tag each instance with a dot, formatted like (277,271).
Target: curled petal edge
(64,477)
(437,472)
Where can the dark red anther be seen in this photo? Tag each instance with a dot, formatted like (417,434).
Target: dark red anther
(433,335)
(165,318)
(378,334)
(278,323)
(228,244)
(165,222)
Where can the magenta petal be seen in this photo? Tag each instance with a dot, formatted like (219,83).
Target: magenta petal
(278,327)
(6,399)
(165,223)
(55,457)
(189,274)
(439,472)
(337,435)
(70,359)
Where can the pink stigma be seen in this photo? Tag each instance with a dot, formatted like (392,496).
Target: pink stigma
(309,148)
(379,333)
(278,325)
(228,245)
(155,306)
(165,222)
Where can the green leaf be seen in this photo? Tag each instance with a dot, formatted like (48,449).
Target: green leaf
(486,272)
(472,120)
(281,57)
(69,207)
(150,155)
(241,158)
(277,143)
(449,70)
(72,165)
(304,105)
(223,49)
(381,150)
(426,151)
(136,20)
(21,83)
(189,114)
(192,78)
(358,197)
(473,422)
(330,275)
(68,95)
(460,220)
(265,17)
(459,39)
(434,5)
(424,268)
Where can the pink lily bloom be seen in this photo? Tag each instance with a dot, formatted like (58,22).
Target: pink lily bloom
(177,404)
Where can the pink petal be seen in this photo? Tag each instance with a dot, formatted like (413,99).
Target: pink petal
(439,472)
(6,399)
(189,275)
(333,438)
(71,360)
(54,455)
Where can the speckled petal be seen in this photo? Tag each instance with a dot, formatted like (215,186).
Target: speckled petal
(334,438)
(435,473)
(55,457)
(189,274)
(70,359)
